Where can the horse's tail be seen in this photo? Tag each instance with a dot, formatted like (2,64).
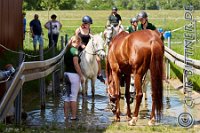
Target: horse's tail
(156,69)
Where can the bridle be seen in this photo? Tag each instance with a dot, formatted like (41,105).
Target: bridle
(95,52)
(111,35)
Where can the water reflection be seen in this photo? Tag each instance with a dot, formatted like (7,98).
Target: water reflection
(93,112)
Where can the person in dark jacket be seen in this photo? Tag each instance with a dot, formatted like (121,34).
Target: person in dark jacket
(36,31)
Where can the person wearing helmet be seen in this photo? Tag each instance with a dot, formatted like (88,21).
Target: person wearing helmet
(84,32)
(115,19)
(133,26)
(144,23)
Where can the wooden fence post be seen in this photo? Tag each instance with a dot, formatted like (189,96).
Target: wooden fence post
(18,100)
(42,82)
(62,64)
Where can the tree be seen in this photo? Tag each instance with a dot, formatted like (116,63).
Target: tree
(67,4)
(81,4)
(152,5)
(108,4)
(100,4)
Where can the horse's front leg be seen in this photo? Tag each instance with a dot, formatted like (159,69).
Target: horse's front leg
(139,95)
(127,95)
(93,86)
(117,94)
(84,87)
(117,115)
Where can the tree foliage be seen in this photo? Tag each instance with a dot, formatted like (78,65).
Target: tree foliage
(107,4)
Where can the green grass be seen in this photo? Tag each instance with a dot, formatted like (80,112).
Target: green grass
(114,128)
(166,19)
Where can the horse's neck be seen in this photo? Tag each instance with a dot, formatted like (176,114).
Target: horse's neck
(89,47)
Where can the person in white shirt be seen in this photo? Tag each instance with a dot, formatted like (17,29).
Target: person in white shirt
(53,27)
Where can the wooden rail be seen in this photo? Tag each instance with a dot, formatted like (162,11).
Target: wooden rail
(29,71)
(178,59)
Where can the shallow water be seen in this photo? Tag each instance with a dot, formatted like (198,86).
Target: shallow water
(95,113)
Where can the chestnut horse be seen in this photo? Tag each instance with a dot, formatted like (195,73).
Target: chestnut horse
(135,53)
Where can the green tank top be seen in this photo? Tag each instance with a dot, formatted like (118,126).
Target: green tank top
(68,59)
(149,26)
(130,29)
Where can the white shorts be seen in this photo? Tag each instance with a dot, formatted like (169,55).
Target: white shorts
(75,85)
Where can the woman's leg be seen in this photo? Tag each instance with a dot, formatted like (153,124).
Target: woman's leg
(66,109)
(74,109)
(75,85)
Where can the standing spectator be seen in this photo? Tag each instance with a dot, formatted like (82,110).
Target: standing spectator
(53,27)
(133,26)
(115,20)
(24,25)
(36,31)
(74,75)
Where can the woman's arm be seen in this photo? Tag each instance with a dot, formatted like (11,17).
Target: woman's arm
(77,31)
(47,25)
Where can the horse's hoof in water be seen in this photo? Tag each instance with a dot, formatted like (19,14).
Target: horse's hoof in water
(151,122)
(133,121)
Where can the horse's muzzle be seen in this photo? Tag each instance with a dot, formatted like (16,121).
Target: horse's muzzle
(102,55)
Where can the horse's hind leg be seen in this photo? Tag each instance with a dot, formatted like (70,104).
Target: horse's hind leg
(139,95)
(152,117)
(127,94)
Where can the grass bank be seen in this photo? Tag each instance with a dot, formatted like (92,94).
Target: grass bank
(169,20)
(114,128)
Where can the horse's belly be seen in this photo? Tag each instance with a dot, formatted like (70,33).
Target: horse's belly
(89,71)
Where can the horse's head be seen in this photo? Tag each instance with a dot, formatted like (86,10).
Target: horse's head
(109,33)
(98,45)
